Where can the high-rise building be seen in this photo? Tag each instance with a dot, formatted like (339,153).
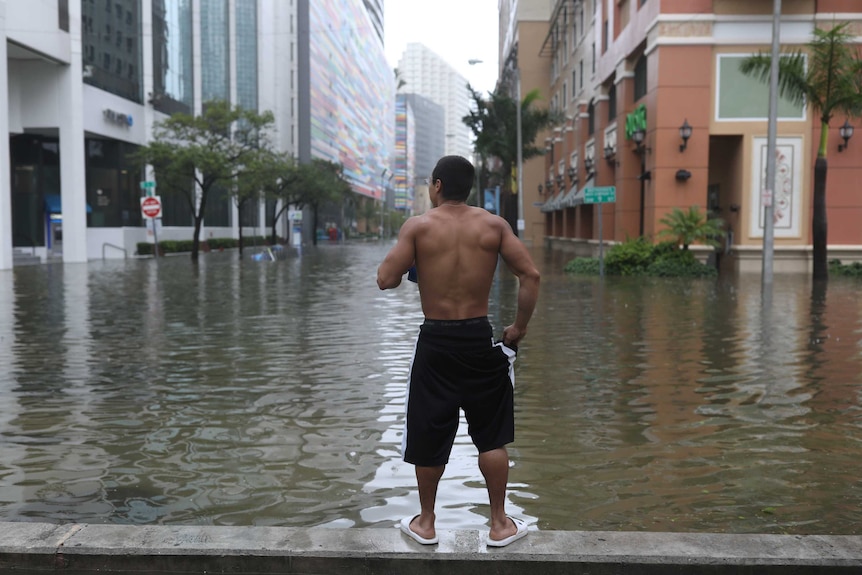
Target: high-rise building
(71,121)
(425,73)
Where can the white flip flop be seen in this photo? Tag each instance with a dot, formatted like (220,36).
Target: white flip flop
(521,532)
(405,529)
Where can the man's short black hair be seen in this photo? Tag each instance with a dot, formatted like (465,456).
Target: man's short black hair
(456,175)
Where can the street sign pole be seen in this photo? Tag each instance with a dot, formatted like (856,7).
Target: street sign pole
(155,237)
(601,244)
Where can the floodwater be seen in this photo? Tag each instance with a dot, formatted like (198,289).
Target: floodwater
(271,393)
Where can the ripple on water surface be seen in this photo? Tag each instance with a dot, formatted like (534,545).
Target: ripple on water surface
(272,393)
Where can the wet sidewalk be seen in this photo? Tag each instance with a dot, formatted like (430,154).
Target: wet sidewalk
(30,548)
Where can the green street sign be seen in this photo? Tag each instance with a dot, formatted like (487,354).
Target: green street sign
(600,195)
(147,185)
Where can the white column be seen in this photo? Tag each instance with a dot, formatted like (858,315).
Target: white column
(73,181)
(5,165)
(147,71)
(197,81)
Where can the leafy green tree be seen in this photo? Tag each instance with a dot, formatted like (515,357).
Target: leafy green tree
(280,176)
(494,123)
(194,155)
(371,214)
(320,182)
(831,82)
(692,226)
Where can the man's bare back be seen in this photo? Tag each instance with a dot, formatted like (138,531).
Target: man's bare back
(455,248)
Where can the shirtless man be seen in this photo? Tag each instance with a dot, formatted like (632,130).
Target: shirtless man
(455,248)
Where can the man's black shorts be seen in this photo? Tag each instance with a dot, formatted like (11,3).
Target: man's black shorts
(457,365)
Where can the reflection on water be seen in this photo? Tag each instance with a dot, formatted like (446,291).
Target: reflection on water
(271,393)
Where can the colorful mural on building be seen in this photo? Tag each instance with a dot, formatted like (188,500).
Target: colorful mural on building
(352,93)
(405,155)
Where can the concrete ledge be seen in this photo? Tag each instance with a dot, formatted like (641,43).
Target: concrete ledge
(31,548)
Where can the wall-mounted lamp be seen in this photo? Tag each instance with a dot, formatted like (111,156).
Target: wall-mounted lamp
(588,164)
(685,134)
(540,189)
(559,180)
(609,152)
(846,132)
(573,173)
(549,185)
(639,136)
(682,175)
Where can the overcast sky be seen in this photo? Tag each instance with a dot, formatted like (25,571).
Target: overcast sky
(457,30)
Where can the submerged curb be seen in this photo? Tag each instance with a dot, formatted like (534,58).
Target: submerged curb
(30,548)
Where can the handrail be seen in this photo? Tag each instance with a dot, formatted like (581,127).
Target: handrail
(108,245)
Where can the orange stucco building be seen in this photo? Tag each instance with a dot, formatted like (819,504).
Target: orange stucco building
(614,66)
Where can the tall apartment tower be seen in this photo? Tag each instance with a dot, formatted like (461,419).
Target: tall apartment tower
(427,74)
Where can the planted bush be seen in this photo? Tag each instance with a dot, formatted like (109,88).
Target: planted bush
(639,257)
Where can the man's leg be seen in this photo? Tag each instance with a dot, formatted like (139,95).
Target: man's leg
(427,478)
(494,466)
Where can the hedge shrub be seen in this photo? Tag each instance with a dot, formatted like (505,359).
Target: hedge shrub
(639,257)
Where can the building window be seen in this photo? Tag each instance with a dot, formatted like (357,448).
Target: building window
(581,75)
(173,88)
(115,47)
(565,93)
(741,97)
(591,118)
(612,103)
(63,9)
(215,44)
(640,88)
(594,58)
(604,37)
(574,82)
(246,54)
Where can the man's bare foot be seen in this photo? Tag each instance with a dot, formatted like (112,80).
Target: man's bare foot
(419,530)
(513,530)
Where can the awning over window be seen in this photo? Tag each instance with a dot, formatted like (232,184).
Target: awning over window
(54,204)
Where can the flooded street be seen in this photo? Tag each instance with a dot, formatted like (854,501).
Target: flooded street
(272,393)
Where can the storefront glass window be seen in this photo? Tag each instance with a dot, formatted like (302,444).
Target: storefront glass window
(113,180)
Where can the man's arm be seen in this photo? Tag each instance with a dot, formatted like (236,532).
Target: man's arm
(400,257)
(518,259)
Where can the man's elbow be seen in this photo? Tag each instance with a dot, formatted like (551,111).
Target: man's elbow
(386,283)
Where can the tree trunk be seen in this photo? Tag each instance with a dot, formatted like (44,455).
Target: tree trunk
(196,239)
(239,221)
(818,221)
(314,225)
(510,209)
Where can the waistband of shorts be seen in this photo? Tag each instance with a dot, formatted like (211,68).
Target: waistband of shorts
(482,321)
(457,335)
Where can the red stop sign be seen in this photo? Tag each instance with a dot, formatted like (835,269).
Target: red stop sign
(151,206)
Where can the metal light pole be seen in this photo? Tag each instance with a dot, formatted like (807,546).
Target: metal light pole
(520,153)
(382,200)
(768,193)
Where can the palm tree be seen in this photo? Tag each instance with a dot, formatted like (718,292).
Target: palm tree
(832,83)
(494,123)
(688,227)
